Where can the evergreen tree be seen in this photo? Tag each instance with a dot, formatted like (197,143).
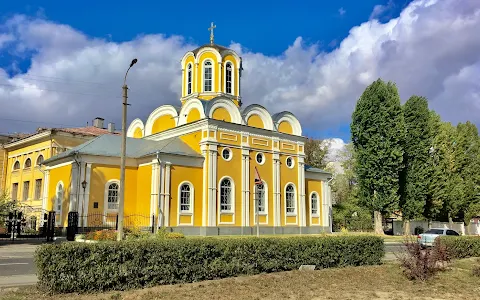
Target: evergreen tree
(378,133)
(418,141)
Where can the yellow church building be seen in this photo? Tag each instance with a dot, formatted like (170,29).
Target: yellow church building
(192,167)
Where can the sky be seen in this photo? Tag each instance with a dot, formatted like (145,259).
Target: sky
(62,62)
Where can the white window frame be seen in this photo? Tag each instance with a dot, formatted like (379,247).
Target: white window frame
(317,214)
(255,203)
(191,198)
(19,165)
(40,190)
(203,75)
(232,196)
(189,70)
(230,154)
(293,162)
(106,189)
(38,157)
(294,213)
(232,77)
(58,212)
(263,158)
(25,163)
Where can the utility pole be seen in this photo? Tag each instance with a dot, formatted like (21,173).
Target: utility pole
(121,189)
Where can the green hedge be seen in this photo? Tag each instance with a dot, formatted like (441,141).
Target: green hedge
(84,267)
(461,246)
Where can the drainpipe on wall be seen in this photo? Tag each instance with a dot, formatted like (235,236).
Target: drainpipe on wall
(77,183)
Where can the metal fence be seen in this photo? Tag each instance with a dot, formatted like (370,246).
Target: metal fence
(26,223)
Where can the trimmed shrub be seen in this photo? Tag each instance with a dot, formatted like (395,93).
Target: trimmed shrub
(422,264)
(82,267)
(460,246)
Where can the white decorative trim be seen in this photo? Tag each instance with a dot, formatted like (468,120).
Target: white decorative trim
(162,206)
(204,191)
(25,162)
(238,60)
(45,192)
(314,215)
(232,211)
(185,80)
(153,189)
(290,118)
(260,142)
(185,57)
(137,123)
(28,139)
(86,195)
(226,103)
(157,113)
(290,214)
(245,188)
(212,185)
(58,221)
(38,156)
(192,204)
(167,193)
(228,137)
(19,154)
(187,107)
(276,191)
(263,158)
(262,112)
(230,154)
(205,50)
(288,146)
(301,192)
(265,213)
(19,165)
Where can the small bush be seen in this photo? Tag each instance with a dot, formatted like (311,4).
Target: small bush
(422,264)
(102,235)
(476,269)
(84,267)
(460,246)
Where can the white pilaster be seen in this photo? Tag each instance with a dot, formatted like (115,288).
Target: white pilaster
(276,189)
(325,206)
(301,191)
(86,194)
(212,185)
(195,79)
(204,182)
(219,75)
(167,194)
(72,200)
(46,182)
(161,206)
(245,187)
(154,190)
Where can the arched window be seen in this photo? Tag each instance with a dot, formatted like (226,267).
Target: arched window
(185,198)
(16,165)
(207,76)
(226,195)
(189,79)
(59,202)
(260,197)
(112,196)
(39,160)
(290,199)
(228,78)
(314,203)
(28,163)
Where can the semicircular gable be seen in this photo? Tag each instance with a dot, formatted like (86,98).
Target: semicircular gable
(188,110)
(223,103)
(207,50)
(186,56)
(136,129)
(162,118)
(285,120)
(227,52)
(257,110)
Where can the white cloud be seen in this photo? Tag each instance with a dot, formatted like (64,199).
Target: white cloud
(429,50)
(380,10)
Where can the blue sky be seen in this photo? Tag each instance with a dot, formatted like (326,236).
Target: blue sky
(335,48)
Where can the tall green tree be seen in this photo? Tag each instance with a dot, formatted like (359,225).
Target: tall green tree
(315,153)
(378,133)
(418,141)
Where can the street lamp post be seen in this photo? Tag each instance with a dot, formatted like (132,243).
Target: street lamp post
(121,189)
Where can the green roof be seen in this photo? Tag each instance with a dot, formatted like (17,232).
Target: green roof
(110,145)
(315,170)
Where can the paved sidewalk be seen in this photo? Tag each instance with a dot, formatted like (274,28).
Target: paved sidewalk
(17,280)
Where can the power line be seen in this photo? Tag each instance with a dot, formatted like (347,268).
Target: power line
(38,122)
(41,76)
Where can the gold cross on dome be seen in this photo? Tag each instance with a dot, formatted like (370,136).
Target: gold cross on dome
(212,27)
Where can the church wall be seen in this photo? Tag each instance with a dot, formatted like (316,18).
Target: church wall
(288,175)
(285,127)
(194,176)
(138,133)
(222,114)
(216,72)
(255,121)
(229,138)
(64,175)
(144,182)
(189,60)
(193,115)
(101,174)
(193,140)
(163,123)
(313,186)
(230,58)
(231,169)
(266,173)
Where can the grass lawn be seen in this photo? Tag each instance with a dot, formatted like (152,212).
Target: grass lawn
(345,283)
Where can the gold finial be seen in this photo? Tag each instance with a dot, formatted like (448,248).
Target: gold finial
(212,27)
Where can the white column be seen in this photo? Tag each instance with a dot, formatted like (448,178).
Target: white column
(196,79)
(245,187)
(167,194)
(154,190)
(219,75)
(73,188)
(161,205)
(301,192)
(325,206)
(86,194)
(212,185)
(276,189)
(46,182)
(205,184)
(81,192)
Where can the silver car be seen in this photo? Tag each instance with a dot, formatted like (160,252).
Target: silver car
(427,238)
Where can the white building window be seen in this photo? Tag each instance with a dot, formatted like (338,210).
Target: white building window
(227,154)
(189,79)
(290,162)
(260,158)
(185,198)
(228,78)
(39,160)
(28,163)
(314,203)
(16,165)
(226,195)
(112,196)
(207,76)
(290,199)
(260,198)
(58,202)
